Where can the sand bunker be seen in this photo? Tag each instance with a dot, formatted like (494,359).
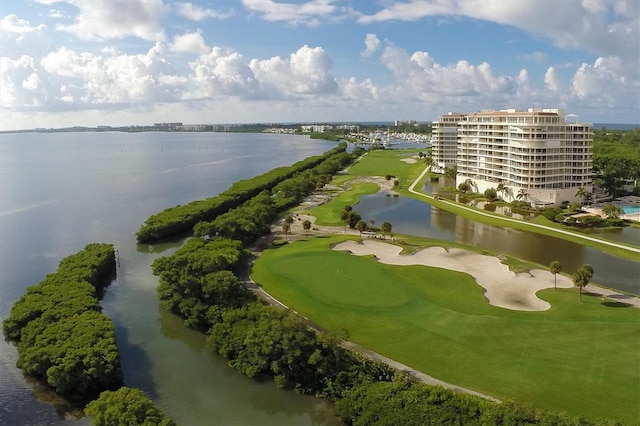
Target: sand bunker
(410,160)
(503,288)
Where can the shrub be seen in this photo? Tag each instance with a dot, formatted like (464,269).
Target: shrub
(490,207)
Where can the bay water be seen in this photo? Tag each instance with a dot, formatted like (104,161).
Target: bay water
(61,191)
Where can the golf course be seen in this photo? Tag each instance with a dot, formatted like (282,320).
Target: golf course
(581,358)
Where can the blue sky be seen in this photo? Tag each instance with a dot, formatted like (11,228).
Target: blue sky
(120,62)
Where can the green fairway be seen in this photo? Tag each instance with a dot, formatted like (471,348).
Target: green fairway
(581,358)
(389,162)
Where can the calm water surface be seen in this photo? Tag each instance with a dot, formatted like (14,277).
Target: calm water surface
(59,192)
(413,217)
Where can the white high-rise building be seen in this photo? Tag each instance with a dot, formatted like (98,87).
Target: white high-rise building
(536,155)
(444,141)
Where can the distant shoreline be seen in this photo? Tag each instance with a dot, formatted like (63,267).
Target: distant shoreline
(138,129)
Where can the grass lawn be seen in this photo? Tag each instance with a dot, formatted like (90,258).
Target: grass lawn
(580,358)
(329,214)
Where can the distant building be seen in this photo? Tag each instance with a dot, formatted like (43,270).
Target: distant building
(196,127)
(536,155)
(402,123)
(349,127)
(167,126)
(316,128)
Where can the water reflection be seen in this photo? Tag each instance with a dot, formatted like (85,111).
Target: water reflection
(413,217)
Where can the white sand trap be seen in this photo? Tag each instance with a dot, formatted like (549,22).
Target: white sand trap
(503,288)
(409,160)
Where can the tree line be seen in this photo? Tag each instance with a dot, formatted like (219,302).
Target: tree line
(181,219)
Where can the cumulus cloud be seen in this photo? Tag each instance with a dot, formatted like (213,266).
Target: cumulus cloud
(372,43)
(419,76)
(306,72)
(222,73)
(552,81)
(189,42)
(601,81)
(116,79)
(196,13)
(114,19)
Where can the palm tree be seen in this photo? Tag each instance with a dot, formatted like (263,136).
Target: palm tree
(581,277)
(450,172)
(522,194)
(361,226)
(306,225)
(500,188)
(582,194)
(611,211)
(555,268)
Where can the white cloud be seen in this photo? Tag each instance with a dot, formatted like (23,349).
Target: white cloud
(419,76)
(604,27)
(196,13)
(552,81)
(115,19)
(603,81)
(110,80)
(221,73)
(307,72)
(307,13)
(190,42)
(372,43)
(12,24)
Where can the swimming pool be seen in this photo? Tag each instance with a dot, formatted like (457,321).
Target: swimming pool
(631,209)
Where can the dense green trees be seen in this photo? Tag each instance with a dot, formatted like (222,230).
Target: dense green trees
(181,219)
(404,401)
(197,282)
(126,407)
(62,337)
(616,157)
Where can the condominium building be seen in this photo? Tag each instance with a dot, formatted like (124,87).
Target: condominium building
(444,141)
(534,155)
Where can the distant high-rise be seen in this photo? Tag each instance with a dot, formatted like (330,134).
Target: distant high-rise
(536,155)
